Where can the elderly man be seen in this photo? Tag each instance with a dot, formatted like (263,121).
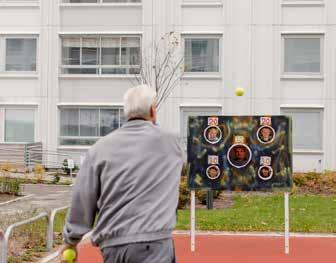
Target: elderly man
(128,184)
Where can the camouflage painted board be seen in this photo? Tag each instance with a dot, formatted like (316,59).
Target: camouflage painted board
(240,153)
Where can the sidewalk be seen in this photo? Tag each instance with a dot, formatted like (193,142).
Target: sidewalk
(241,249)
(42,198)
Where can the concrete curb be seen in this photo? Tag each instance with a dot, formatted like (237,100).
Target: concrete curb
(17,200)
(51,185)
(256,234)
(50,257)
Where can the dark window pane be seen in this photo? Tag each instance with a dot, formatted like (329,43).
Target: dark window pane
(302,55)
(79,141)
(88,122)
(20,54)
(130,51)
(110,56)
(114,71)
(71,51)
(110,50)
(71,55)
(201,55)
(90,51)
(69,122)
(19,125)
(109,121)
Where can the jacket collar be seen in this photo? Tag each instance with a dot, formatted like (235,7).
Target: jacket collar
(136,122)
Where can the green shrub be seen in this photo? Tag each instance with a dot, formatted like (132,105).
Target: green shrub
(56,178)
(201,196)
(315,183)
(184,196)
(66,169)
(10,186)
(6,166)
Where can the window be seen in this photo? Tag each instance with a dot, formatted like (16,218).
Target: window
(302,54)
(84,126)
(202,1)
(101,55)
(19,1)
(301,1)
(201,54)
(307,128)
(186,112)
(101,1)
(20,54)
(19,125)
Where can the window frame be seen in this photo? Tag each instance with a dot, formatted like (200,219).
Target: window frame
(4,108)
(294,75)
(101,3)
(287,110)
(99,67)
(84,107)
(7,3)
(204,36)
(4,38)
(302,3)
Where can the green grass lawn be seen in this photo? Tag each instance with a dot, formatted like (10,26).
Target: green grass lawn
(30,239)
(308,213)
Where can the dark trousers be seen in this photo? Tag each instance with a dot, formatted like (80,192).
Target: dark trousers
(159,251)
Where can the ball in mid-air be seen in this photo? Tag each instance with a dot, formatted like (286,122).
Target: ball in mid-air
(69,255)
(239,91)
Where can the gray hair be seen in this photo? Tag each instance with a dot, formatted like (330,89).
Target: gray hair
(138,101)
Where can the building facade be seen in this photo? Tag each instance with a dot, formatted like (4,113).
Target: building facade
(65,65)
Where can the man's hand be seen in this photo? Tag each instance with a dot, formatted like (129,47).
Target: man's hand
(65,247)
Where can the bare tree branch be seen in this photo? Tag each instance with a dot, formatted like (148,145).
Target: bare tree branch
(161,66)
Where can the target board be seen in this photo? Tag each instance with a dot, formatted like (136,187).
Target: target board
(240,153)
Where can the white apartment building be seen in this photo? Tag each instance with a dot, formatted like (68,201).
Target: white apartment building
(65,65)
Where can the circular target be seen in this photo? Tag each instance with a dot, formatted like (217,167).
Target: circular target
(212,134)
(213,172)
(239,155)
(266,134)
(265,172)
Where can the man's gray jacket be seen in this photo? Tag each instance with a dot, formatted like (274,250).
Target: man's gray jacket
(130,180)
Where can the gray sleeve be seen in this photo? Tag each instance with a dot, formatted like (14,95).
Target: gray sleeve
(82,213)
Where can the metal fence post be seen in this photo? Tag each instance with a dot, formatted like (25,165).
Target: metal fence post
(3,249)
(50,235)
(27,158)
(209,199)
(4,238)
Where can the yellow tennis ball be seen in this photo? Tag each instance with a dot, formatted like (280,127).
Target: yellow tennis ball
(69,255)
(239,92)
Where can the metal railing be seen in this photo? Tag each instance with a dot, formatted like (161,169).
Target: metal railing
(4,237)
(50,236)
(26,158)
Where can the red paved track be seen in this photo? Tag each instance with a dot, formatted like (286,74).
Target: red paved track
(240,249)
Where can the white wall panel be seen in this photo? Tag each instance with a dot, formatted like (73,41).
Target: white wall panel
(263,12)
(302,90)
(300,15)
(23,19)
(93,90)
(101,19)
(19,89)
(308,162)
(202,17)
